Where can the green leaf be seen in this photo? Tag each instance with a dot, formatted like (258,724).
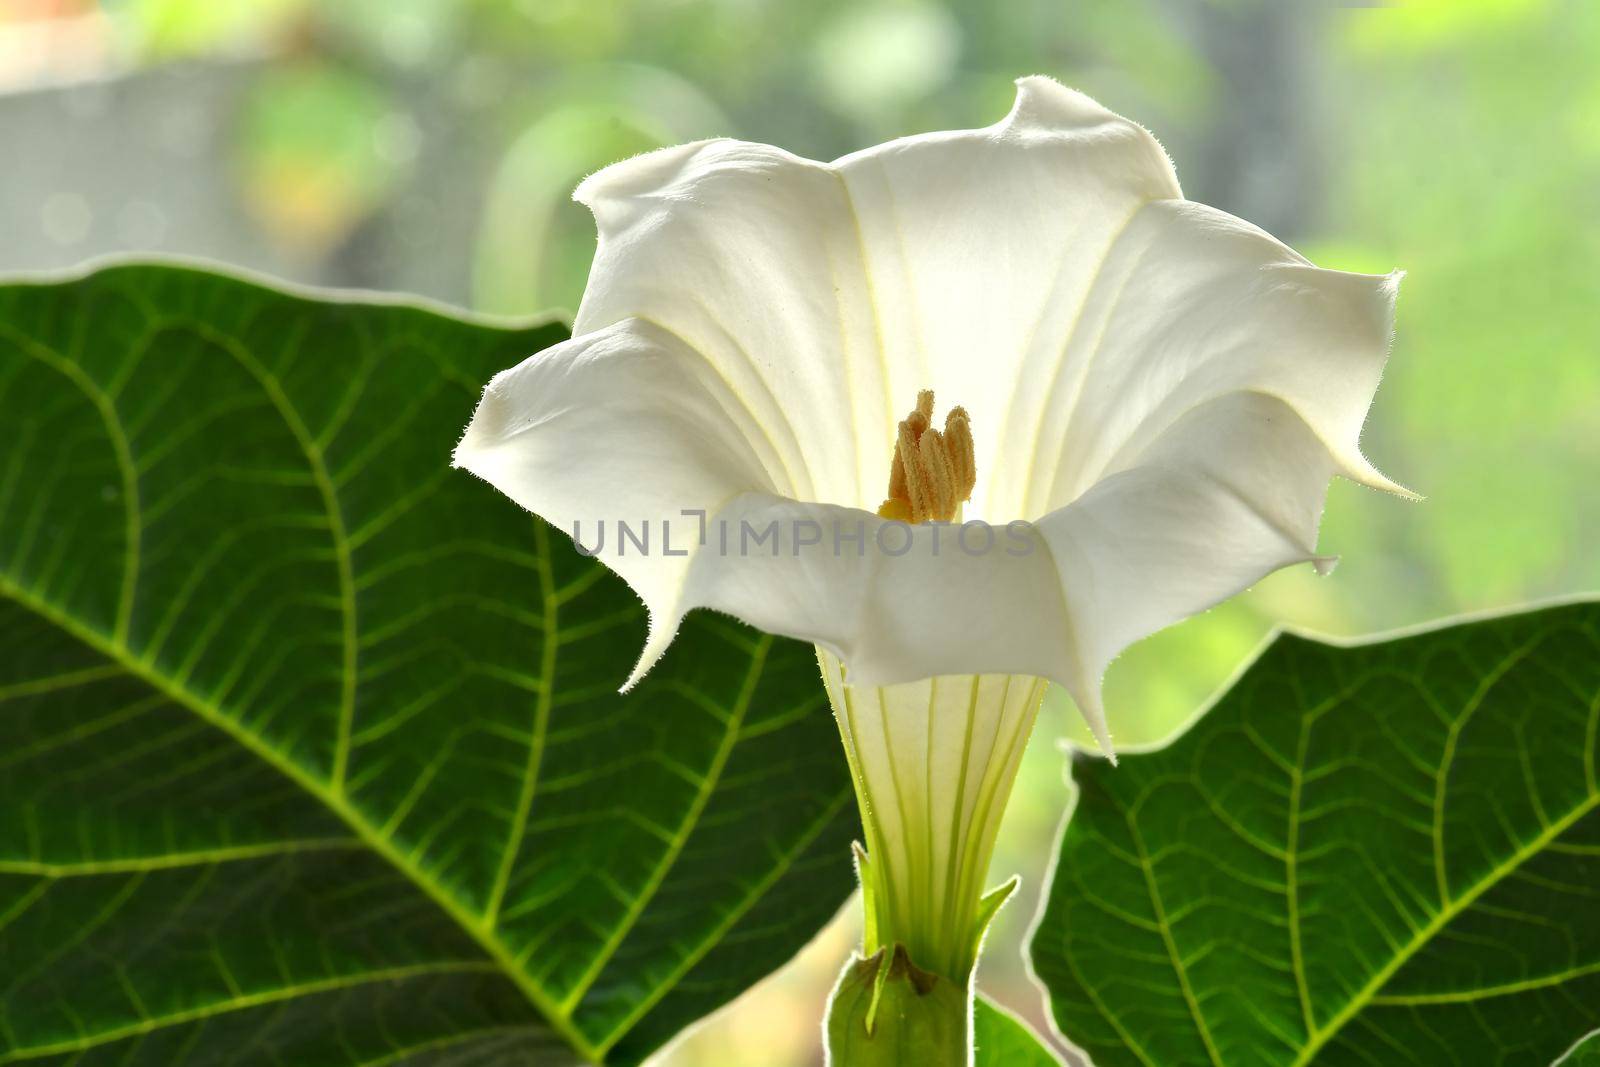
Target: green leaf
(310,746)
(1585,1053)
(1000,1039)
(1386,853)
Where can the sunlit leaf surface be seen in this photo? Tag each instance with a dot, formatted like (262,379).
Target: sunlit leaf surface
(310,750)
(1000,1039)
(1384,854)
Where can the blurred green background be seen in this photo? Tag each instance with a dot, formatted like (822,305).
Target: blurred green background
(431,146)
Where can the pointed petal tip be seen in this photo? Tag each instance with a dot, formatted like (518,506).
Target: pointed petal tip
(1094,717)
(1349,463)
(491,419)
(469,455)
(640,669)
(638,175)
(1038,84)
(1043,101)
(659,638)
(475,453)
(1373,478)
(1045,105)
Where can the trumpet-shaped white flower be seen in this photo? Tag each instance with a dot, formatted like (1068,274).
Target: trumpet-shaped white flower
(1160,390)
(1151,395)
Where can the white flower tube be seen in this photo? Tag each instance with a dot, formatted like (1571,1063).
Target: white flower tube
(934,762)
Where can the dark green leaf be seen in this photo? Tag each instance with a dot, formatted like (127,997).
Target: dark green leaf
(1382,854)
(1000,1039)
(310,751)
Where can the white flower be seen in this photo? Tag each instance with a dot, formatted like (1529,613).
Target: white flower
(1158,391)
(1161,390)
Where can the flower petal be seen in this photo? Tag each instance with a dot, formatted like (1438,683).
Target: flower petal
(627,425)
(623,425)
(1232,491)
(1169,387)
(829,294)
(895,602)
(1190,304)
(749,255)
(983,246)
(1228,492)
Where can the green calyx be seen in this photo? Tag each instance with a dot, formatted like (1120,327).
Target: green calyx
(888,1012)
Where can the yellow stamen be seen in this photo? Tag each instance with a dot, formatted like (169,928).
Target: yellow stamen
(933,472)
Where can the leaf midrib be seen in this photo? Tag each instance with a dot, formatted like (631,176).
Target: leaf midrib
(703,793)
(1368,993)
(1165,926)
(243,1001)
(369,835)
(171,860)
(114,647)
(332,792)
(1317,1037)
(1449,906)
(312,450)
(543,699)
